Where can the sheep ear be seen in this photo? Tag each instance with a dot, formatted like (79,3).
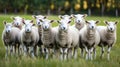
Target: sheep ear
(87,22)
(85,15)
(73,15)
(116,22)
(106,22)
(31,21)
(96,22)
(44,17)
(51,21)
(12,17)
(23,21)
(58,21)
(69,21)
(41,20)
(33,25)
(70,17)
(60,17)
(4,22)
(34,16)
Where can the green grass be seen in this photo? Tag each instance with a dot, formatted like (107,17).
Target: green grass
(79,62)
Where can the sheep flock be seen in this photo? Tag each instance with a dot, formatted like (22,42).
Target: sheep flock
(25,37)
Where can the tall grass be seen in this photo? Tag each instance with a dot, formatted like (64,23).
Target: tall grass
(79,62)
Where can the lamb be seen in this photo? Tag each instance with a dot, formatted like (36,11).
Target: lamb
(18,22)
(89,38)
(65,38)
(108,37)
(29,37)
(10,37)
(39,27)
(47,36)
(79,20)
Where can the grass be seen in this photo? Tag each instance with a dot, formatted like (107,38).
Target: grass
(28,62)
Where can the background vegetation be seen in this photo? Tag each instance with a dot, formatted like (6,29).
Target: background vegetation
(90,7)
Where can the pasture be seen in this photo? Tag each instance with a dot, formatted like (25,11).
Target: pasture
(79,62)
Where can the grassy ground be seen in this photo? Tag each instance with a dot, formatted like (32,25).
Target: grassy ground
(28,62)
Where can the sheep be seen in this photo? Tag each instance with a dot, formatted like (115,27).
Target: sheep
(65,38)
(75,37)
(17,22)
(29,37)
(108,37)
(79,20)
(89,38)
(39,27)
(10,37)
(47,36)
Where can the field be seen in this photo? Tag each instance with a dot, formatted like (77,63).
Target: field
(79,62)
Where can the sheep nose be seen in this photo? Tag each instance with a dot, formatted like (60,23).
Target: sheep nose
(78,20)
(38,22)
(45,26)
(27,29)
(17,23)
(64,28)
(8,30)
(92,27)
(110,28)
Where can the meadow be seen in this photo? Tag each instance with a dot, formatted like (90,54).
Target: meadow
(79,62)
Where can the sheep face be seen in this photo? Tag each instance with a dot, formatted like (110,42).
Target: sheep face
(91,24)
(79,18)
(38,22)
(8,27)
(46,24)
(111,26)
(17,21)
(64,24)
(65,17)
(28,25)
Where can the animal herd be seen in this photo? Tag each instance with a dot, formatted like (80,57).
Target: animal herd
(23,37)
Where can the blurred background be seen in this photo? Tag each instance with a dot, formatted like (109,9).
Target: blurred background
(56,7)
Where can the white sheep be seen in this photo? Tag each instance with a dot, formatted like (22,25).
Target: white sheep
(66,38)
(79,20)
(108,37)
(18,22)
(39,27)
(47,36)
(89,38)
(10,37)
(29,37)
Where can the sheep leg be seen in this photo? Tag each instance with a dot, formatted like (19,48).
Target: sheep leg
(87,53)
(46,51)
(65,53)
(70,53)
(102,52)
(75,52)
(32,51)
(6,47)
(11,50)
(94,52)
(82,52)
(108,52)
(20,49)
(35,50)
(61,54)
(91,50)
(25,50)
